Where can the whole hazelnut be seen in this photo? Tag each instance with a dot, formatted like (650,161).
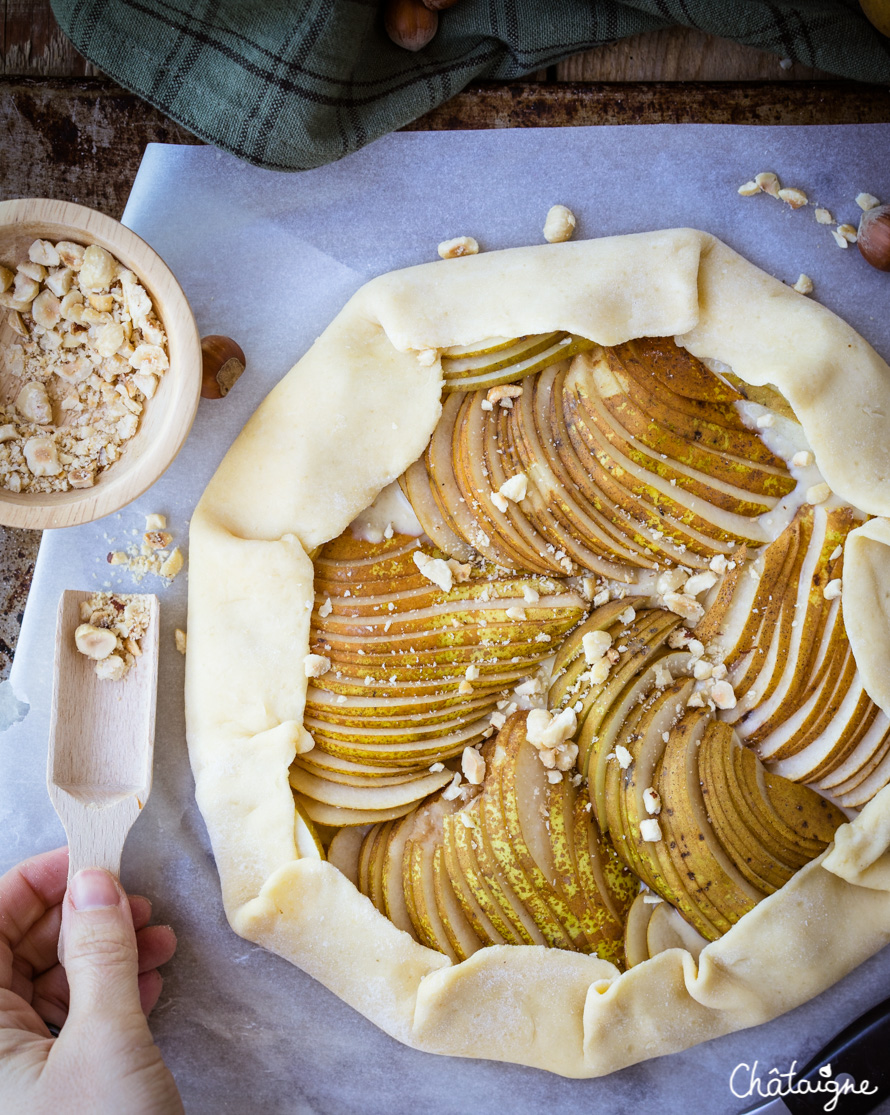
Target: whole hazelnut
(874,237)
(223,362)
(409,23)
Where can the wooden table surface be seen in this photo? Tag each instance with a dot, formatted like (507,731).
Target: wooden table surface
(66,131)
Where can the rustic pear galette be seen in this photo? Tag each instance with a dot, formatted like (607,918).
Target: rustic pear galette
(537,626)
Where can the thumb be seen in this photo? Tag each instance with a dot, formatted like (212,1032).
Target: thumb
(98,946)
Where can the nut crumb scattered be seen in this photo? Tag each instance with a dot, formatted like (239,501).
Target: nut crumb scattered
(867,201)
(179,638)
(824,217)
(804,284)
(154,555)
(849,233)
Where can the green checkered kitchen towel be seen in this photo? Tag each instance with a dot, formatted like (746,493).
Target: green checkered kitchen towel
(293,84)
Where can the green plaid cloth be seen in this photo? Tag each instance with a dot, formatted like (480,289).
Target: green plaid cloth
(293,84)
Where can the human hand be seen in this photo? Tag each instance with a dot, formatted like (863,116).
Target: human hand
(104,1061)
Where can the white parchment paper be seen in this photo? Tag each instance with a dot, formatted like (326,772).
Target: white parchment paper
(269,259)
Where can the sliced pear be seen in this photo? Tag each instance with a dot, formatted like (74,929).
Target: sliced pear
(636,945)
(345,849)
(666,929)
(306,837)
(706,870)
(458,928)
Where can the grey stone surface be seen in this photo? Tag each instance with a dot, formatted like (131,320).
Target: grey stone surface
(18,552)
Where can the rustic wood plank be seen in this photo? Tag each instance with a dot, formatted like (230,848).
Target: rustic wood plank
(77,140)
(34,46)
(82,140)
(681,54)
(563,104)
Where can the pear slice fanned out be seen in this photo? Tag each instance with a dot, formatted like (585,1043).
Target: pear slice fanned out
(666,929)
(507,363)
(707,871)
(396,696)
(799,698)
(766,869)
(415,484)
(345,849)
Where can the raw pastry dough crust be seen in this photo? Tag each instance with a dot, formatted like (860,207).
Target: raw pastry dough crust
(347,420)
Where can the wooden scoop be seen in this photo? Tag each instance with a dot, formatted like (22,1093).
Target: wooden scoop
(101,743)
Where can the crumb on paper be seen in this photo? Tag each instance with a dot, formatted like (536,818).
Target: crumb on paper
(824,217)
(559,225)
(768,182)
(91,354)
(179,637)
(154,555)
(111,627)
(793,197)
(459,246)
(867,201)
(804,284)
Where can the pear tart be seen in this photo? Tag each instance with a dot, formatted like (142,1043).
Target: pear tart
(565,766)
(628,457)
(397,697)
(519,863)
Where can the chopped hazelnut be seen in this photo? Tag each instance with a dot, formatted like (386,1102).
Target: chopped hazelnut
(41,456)
(559,225)
(818,493)
(768,182)
(97,269)
(794,197)
(172,565)
(459,246)
(316,665)
(94,642)
(473,766)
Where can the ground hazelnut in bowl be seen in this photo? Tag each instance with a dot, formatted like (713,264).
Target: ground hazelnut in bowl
(100,364)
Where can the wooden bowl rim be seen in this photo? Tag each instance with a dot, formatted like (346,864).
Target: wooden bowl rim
(115,489)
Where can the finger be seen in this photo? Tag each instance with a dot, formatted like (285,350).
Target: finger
(101,961)
(50,997)
(156,944)
(40,945)
(28,891)
(140,909)
(150,986)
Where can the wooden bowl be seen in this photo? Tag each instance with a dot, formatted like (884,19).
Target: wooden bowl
(166,418)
